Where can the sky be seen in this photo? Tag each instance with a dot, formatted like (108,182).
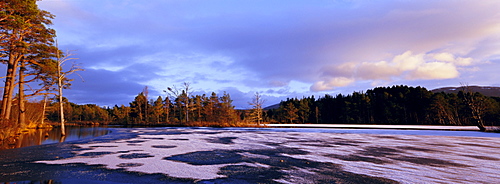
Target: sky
(281,49)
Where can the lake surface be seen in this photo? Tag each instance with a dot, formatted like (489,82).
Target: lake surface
(260,155)
(49,136)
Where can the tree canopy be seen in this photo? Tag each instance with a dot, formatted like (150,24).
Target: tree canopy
(27,48)
(392,105)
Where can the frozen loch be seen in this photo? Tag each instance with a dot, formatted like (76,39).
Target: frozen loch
(287,156)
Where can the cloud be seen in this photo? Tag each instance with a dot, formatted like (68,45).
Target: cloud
(330,84)
(407,61)
(406,66)
(377,70)
(257,46)
(448,57)
(344,69)
(434,70)
(105,88)
(463,61)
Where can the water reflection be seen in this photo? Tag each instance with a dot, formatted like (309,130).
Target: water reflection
(48,136)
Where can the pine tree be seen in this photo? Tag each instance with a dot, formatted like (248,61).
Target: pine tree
(166,108)
(158,109)
(197,107)
(304,110)
(138,107)
(26,43)
(290,112)
(227,112)
(212,103)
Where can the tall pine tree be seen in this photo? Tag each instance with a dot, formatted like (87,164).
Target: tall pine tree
(26,46)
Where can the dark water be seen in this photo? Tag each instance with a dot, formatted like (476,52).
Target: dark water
(49,136)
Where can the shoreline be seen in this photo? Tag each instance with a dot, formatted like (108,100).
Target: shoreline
(367,126)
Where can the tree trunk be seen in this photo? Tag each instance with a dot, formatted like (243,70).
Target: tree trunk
(60,86)
(167,111)
(44,108)
(61,108)
(187,110)
(22,109)
(145,91)
(9,87)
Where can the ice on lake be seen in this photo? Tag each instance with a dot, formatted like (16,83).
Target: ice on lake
(301,155)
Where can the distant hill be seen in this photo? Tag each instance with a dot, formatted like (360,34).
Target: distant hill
(271,107)
(485,90)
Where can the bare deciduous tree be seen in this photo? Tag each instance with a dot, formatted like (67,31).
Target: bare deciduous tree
(257,107)
(476,104)
(181,93)
(64,82)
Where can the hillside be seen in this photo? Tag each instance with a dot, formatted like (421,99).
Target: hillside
(485,90)
(275,106)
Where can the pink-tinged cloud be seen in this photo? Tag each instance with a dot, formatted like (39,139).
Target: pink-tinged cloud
(381,70)
(448,57)
(407,66)
(331,84)
(434,70)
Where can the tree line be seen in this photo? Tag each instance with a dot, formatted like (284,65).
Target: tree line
(392,105)
(396,105)
(174,109)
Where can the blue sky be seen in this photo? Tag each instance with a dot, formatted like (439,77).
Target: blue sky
(278,48)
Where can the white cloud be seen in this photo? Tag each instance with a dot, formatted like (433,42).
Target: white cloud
(463,61)
(444,57)
(407,61)
(377,70)
(448,57)
(434,70)
(330,84)
(406,66)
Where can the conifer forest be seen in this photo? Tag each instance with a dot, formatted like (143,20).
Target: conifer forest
(396,105)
